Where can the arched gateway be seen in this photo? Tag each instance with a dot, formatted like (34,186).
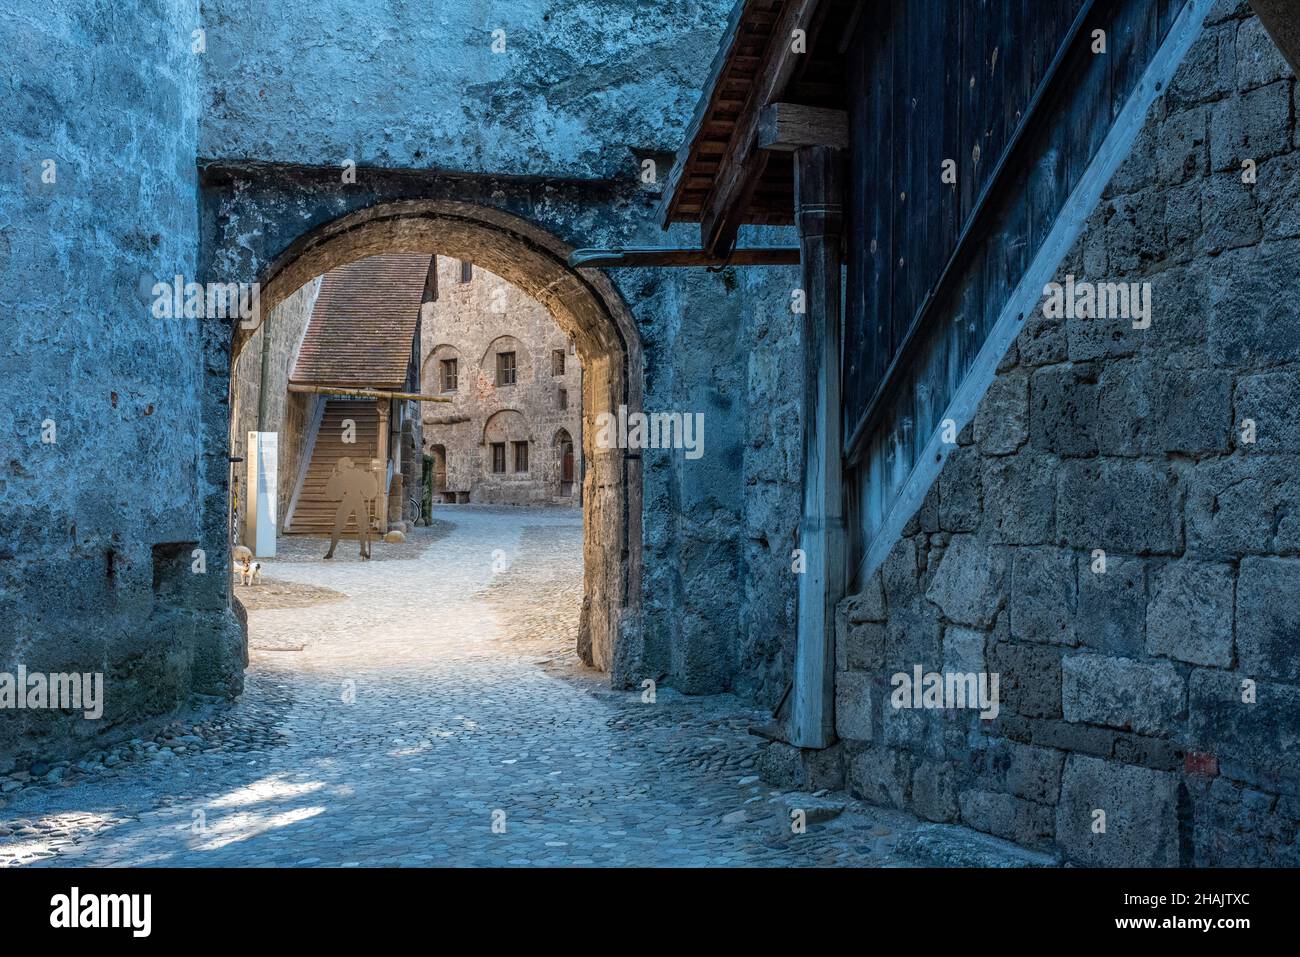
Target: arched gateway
(584,305)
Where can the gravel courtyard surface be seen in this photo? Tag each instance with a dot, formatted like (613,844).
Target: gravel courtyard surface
(428,709)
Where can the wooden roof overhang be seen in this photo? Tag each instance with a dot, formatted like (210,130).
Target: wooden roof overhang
(722,177)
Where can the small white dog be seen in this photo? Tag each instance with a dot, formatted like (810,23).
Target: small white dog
(250,572)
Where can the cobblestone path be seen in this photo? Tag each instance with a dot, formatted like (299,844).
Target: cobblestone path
(435,715)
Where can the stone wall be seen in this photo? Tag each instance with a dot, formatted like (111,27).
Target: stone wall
(1116,536)
(99,473)
(471,322)
(555,131)
(772,467)
(578,90)
(100,527)
(287,413)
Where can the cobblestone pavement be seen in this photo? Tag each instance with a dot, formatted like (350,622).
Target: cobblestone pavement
(435,716)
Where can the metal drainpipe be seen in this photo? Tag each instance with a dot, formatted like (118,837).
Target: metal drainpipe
(582,412)
(262,397)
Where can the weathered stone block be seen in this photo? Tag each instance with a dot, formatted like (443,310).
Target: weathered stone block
(1265,122)
(881,776)
(1161,754)
(1141,815)
(968,583)
(1209,69)
(1269,400)
(1183,219)
(1243,505)
(1028,772)
(1121,693)
(960,491)
(861,647)
(1021,506)
(1007,816)
(869,603)
(1247,309)
(1145,409)
(1041,341)
(1268,617)
(1278,180)
(898,574)
(903,728)
(1118,505)
(934,791)
(1029,678)
(1075,738)
(1181,150)
(963,650)
(787,766)
(1229,214)
(1112,604)
(1252,727)
(1134,172)
(912,637)
(853,703)
(1043,596)
(1002,420)
(1258,59)
(1227,137)
(1135,238)
(1035,773)
(1189,616)
(1063,409)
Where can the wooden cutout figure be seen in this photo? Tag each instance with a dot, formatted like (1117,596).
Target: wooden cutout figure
(355,488)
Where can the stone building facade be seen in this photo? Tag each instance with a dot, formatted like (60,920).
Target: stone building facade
(513,431)
(1115,537)
(286,413)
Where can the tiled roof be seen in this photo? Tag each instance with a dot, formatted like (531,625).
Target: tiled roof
(363,323)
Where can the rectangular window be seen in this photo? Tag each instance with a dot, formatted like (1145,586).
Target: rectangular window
(466,270)
(564,398)
(557,362)
(521,456)
(449,375)
(498,457)
(505,368)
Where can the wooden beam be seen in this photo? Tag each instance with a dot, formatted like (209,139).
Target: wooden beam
(819,190)
(788,126)
(650,256)
(743,164)
(364,393)
(713,91)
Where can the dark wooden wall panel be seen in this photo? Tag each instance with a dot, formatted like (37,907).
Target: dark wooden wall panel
(931,266)
(928,82)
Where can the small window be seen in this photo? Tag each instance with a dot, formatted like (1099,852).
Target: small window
(466,270)
(521,456)
(563,398)
(498,457)
(449,377)
(557,362)
(505,368)
(572,348)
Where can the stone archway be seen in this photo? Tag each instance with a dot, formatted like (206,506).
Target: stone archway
(586,307)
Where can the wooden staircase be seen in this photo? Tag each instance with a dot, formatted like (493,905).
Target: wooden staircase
(313,513)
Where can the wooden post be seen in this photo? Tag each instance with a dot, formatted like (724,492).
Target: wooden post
(381,504)
(819,213)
